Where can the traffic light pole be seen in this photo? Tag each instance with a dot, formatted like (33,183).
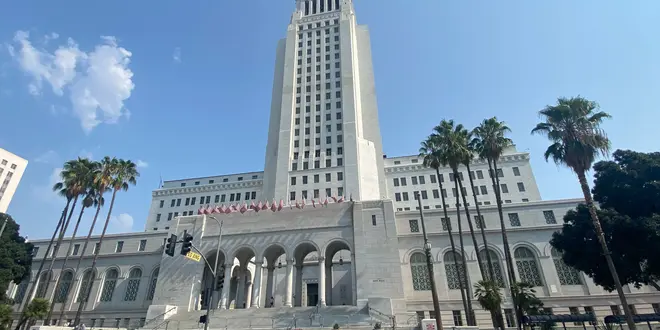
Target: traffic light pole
(214,270)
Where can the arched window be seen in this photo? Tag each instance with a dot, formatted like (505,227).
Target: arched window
(527,266)
(109,284)
(567,275)
(83,293)
(420,272)
(44,279)
(454,270)
(152,284)
(63,287)
(20,291)
(495,262)
(133,284)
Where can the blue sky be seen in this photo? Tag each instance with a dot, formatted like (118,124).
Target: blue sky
(184,86)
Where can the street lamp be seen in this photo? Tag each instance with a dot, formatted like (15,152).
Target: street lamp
(214,273)
(429,265)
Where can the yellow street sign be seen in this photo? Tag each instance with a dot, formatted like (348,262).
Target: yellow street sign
(194,256)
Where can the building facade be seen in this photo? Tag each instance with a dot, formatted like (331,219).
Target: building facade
(11,172)
(331,221)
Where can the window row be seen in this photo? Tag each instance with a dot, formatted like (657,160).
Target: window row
(316,163)
(110,280)
(312,7)
(316,193)
(316,178)
(212,181)
(328,87)
(526,261)
(514,220)
(317,153)
(77,250)
(206,200)
(318,25)
(478,190)
(475,175)
(317,141)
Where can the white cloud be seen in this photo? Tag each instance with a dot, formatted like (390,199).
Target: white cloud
(45,192)
(176,56)
(141,163)
(121,223)
(98,81)
(48,157)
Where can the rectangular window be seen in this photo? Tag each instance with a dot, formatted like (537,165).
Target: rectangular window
(514,219)
(521,187)
(405,196)
(76,249)
(424,195)
(340,191)
(656,308)
(192,201)
(187,201)
(516,171)
(231,197)
(446,224)
(340,176)
(173,203)
(433,179)
(484,190)
(328,177)
(421,180)
(480,174)
(436,193)
(217,199)
(223,198)
(316,178)
(292,196)
(143,245)
(414,226)
(373,219)
(304,179)
(403,182)
(247,196)
(397,197)
(549,217)
(162,203)
(97,248)
(157,217)
(479,221)
(169,216)
(119,246)
(413,180)
(616,310)
(504,188)
(458,319)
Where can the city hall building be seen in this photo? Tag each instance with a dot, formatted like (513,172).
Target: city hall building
(330,222)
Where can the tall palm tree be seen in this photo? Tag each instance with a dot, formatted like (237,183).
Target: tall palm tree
(573,128)
(122,174)
(72,187)
(453,142)
(490,141)
(58,227)
(467,161)
(80,174)
(490,298)
(102,180)
(431,153)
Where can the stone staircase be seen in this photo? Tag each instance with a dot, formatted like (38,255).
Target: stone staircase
(274,318)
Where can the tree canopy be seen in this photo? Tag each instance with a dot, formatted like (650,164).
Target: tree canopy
(628,190)
(15,255)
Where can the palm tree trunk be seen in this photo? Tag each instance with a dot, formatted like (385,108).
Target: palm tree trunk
(85,295)
(471,226)
(491,273)
(469,313)
(451,237)
(96,253)
(28,297)
(57,247)
(505,240)
(66,258)
(603,245)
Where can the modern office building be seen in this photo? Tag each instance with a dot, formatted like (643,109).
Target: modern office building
(331,222)
(11,172)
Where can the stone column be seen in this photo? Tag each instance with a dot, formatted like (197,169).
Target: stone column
(240,289)
(289,283)
(298,283)
(248,293)
(321,285)
(256,286)
(269,285)
(353,280)
(226,287)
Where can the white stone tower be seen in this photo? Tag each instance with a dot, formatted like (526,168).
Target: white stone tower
(323,137)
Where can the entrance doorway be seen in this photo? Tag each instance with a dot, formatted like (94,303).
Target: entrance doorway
(312,294)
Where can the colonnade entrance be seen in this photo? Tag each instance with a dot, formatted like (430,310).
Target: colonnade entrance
(305,277)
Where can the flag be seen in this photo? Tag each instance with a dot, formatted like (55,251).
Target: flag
(334,199)
(281,206)
(228,210)
(243,208)
(216,210)
(273,206)
(325,202)
(209,210)
(297,205)
(252,206)
(258,207)
(302,205)
(264,206)
(313,203)
(341,199)
(234,207)
(200,211)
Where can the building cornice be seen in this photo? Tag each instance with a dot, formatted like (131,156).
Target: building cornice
(223,186)
(523,156)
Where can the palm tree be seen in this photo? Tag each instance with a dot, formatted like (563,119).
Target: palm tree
(490,298)
(101,182)
(467,161)
(526,300)
(80,175)
(573,128)
(60,223)
(431,153)
(122,174)
(453,143)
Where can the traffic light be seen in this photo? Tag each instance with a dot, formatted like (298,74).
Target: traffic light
(186,244)
(171,245)
(221,279)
